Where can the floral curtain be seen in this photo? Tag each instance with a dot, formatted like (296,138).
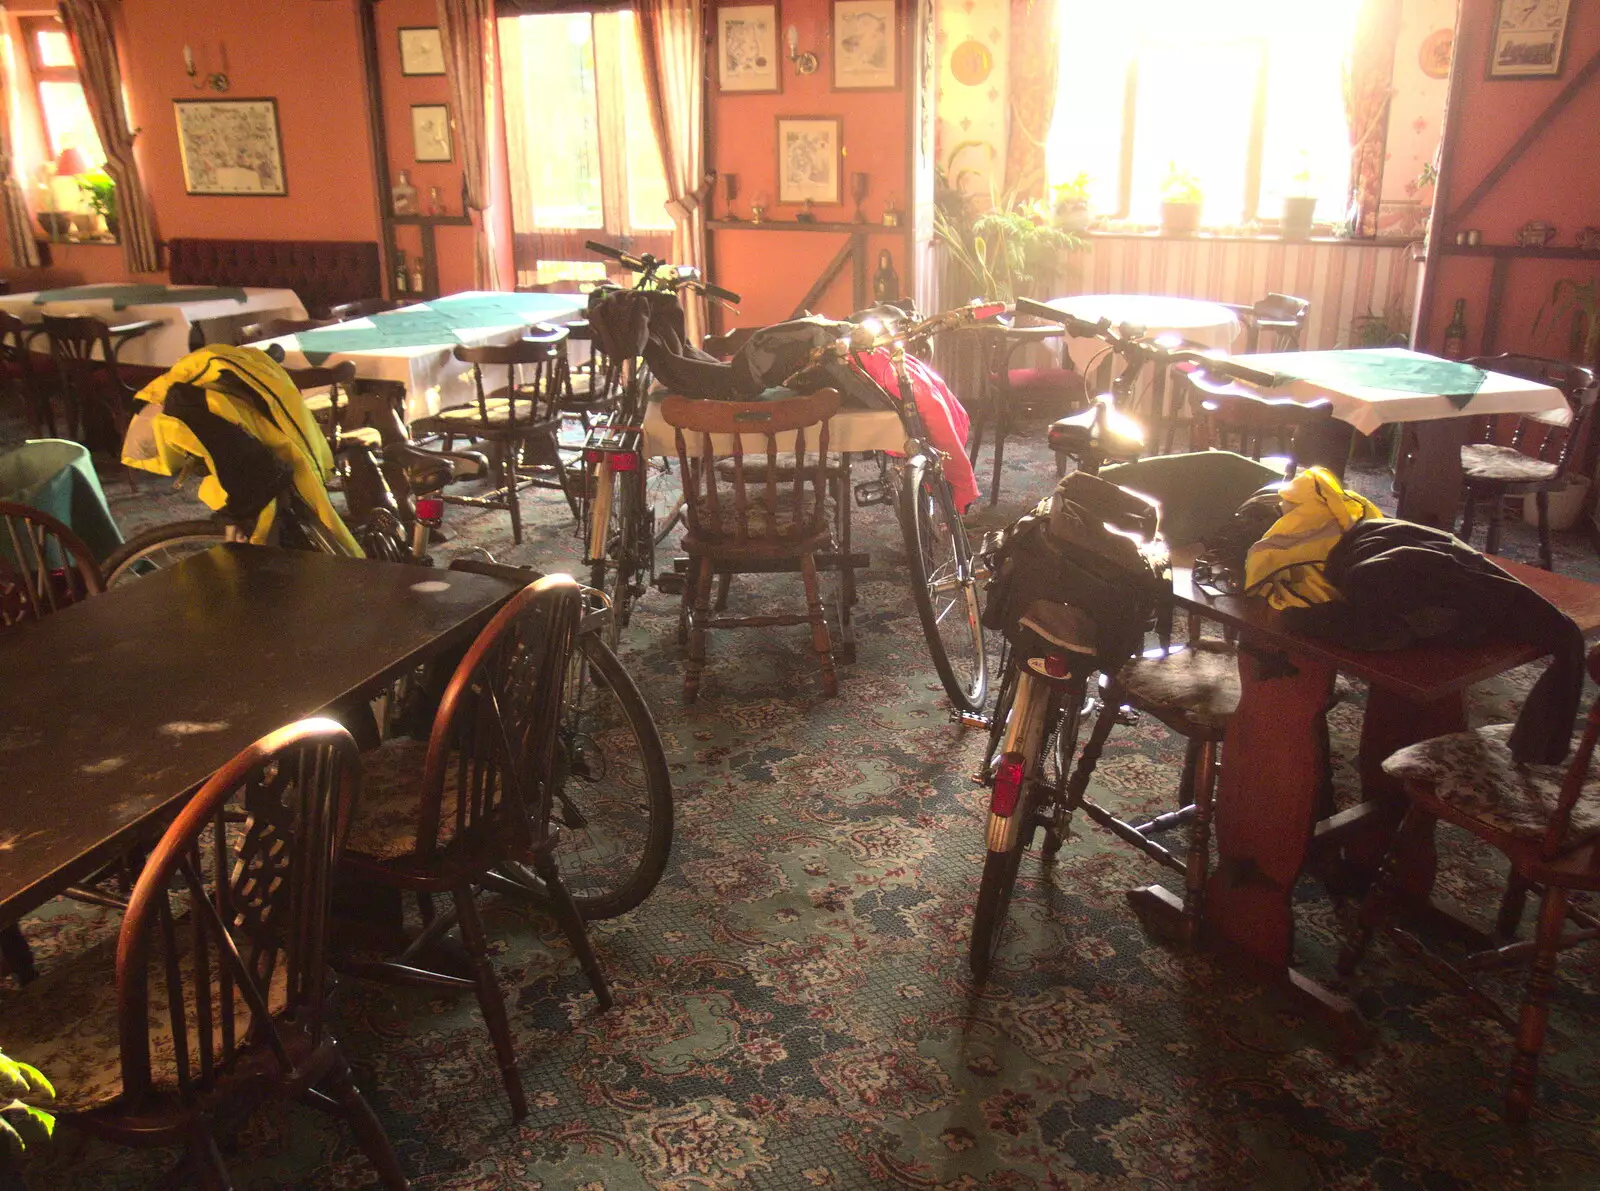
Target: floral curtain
(93,45)
(467,36)
(1032,101)
(673,49)
(1367,92)
(19,228)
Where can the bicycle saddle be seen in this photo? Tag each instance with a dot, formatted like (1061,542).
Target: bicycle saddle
(1088,431)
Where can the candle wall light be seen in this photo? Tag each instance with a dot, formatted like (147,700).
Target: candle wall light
(216,80)
(805,62)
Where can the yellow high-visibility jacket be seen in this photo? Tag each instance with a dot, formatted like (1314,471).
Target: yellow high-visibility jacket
(159,443)
(1287,564)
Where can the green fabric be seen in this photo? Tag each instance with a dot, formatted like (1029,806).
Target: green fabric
(1197,492)
(123,296)
(58,477)
(1340,370)
(432,323)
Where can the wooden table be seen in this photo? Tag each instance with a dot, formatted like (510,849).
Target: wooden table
(113,710)
(1266,799)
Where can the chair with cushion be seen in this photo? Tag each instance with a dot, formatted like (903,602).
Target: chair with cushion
(1010,390)
(749,512)
(1535,463)
(44,566)
(1280,316)
(215,988)
(590,386)
(275,328)
(1545,820)
(20,376)
(1231,417)
(520,421)
(444,817)
(359,309)
(98,388)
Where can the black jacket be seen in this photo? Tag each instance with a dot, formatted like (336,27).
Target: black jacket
(1404,584)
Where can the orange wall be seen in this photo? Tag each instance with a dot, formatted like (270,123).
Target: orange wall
(773,270)
(1555,181)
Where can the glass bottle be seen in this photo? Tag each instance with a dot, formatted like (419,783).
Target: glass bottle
(416,278)
(1455,335)
(404,195)
(435,203)
(402,276)
(885,282)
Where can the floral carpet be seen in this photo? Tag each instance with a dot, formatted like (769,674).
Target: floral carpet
(793,1005)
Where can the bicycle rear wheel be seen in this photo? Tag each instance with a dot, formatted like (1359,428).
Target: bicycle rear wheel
(943,585)
(161,546)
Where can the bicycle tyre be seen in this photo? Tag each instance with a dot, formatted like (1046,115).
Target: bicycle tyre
(995,887)
(936,545)
(156,547)
(618,877)
(628,508)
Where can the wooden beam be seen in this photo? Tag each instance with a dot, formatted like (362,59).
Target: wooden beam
(1533,132)
(1438,227)
(377,135)
(821,286)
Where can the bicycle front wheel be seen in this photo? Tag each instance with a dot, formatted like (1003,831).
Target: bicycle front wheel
(943,585)
(161,546)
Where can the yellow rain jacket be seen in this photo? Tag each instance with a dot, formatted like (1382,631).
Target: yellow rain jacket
(1287,564)
(160,443)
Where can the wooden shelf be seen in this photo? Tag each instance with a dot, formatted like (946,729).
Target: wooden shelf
(432,220)
(792,225)
(1503,251)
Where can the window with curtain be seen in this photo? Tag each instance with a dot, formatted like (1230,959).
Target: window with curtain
(583,155)
(1244,96)
(61,103)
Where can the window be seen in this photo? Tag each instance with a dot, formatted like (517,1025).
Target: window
(61,103)
(584,161)
(1246,96)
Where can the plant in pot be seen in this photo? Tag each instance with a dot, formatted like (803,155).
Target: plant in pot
(1005,251)
(1578,305)
(1299,204)
(1180,202)
(1070,201)
(100,192)
(21,1122)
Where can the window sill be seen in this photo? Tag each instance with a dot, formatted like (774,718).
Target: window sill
(1257,238)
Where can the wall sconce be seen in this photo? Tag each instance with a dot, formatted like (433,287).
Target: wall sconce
(217,81)
(805,62)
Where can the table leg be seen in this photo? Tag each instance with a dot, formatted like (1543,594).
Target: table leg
(1430,490)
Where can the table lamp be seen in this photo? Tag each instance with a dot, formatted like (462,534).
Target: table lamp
(71,162)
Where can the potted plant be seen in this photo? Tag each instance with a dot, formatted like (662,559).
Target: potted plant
(21,1121)
(1300,204)
(1579,303)
(1071,204)
(100,192)
(1005,251)
(1180,202)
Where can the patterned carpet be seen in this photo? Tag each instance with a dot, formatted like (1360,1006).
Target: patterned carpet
(793,1003)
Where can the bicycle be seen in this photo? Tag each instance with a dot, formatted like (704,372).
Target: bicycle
(613,790)
(1044,691)
(624,522)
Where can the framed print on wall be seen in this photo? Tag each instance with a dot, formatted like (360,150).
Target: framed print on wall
(747,48)
(421,51)
(866,41)
(808,159)
(231,147)
(430,132)
(1530,39)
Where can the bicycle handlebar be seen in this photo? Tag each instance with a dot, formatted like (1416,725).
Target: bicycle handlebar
(671,277)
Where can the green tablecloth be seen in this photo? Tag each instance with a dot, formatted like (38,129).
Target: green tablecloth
(433,323)
(58,477)
(1342,370)
(123,296)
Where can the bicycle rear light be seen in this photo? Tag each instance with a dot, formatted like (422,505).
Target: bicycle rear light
(430,509)
(1056,665)
(625,461)
(1007,785)
(987,311)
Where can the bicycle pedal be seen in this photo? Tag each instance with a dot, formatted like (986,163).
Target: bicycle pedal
(971,719)
(671,583)
(873,492)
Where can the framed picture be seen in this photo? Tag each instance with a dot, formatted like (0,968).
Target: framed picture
(866,41)
(1530,39)
(747,48)
(808,159)
(430,132)
(231,147)
(421,51)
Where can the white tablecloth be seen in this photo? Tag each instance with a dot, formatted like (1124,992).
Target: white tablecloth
(169,343)
(1367,407)
(433,377)
(849,430)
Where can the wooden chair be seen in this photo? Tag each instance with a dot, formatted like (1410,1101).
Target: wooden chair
(98,388)
(483,802)
(273,328)
(785,515)
(590,387)
(520,421)
(1230,417)
(1009,390)
(363,308)
(44,566)
(1493,471)
(216,985)
(20,377)
(321,390)
(1545,819)
(1278,315)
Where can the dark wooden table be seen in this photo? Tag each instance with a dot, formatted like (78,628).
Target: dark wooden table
(113,710)
(1272,760)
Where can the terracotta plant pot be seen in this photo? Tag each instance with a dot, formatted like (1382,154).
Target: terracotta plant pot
(1180,219)
(1072,215)
(1297,213)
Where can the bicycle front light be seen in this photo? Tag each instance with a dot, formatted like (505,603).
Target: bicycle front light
(1007,790)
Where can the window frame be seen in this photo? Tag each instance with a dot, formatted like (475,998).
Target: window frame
(30,28)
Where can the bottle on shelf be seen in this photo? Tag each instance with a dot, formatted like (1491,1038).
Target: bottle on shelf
(885,282)
(416,278)
(402,275)
(1455,335)
(435,203)
(404,195)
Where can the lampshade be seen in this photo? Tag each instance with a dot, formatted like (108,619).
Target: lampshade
(72,162)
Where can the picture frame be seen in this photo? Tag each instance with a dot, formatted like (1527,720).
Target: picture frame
(747,49)
(421,50)
(866,45)
(810,159)
(430,133)
(1530,39)
(231,147)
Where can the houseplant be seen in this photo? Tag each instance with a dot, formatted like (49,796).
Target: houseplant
(1071,204)
(1299,204)
(1180,202)
(100,192)
(21,1121)
(1579,306)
